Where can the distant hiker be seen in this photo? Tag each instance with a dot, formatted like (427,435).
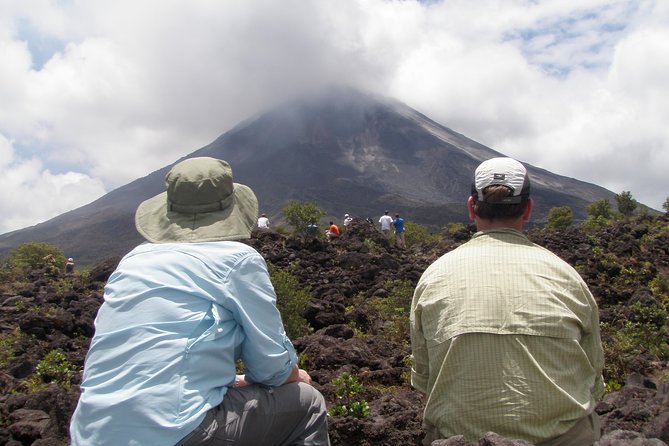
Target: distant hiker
(312,229)
(69,265)
(263,222)
(332,232)
(398,223)
(386,220)
(50,267)
(347,221)
(505,334)
(178,313)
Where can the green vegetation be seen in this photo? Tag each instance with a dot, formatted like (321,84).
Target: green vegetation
(454,228)
(389,314)
(416,234)
(32,255)
(659,286)
(612,386)
(560,218)
(300,215)
(626,203)
(600,214)
(291,300)
(349,391)
(372,247)
(55,368)
(600,208)
(665,205)
(645,333)
(7,346)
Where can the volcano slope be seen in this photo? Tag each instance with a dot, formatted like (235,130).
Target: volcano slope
(345,304)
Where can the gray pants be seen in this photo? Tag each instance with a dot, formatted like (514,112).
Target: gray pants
(292,414)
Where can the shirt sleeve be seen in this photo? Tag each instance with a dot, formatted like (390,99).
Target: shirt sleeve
(419,355)
(591,343)
(267,353)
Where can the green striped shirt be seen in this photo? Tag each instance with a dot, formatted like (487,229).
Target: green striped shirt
(505,338)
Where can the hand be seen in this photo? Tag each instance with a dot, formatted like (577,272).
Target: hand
(240,381)
(303,376)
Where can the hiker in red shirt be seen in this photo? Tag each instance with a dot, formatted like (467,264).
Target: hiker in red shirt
(332,232)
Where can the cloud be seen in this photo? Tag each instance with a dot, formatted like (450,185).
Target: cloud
(102,93)
(31,193)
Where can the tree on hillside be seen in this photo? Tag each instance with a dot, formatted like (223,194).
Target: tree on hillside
(665,205)
(299,215)
(626,203)
(560,217)
(599,214)
(34,255)
(600,208)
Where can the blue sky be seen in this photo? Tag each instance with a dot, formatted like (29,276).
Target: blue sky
(95,94)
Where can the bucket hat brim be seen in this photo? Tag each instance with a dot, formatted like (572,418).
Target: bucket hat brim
(157,223)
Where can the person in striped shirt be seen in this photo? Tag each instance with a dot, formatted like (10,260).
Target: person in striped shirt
(505,334)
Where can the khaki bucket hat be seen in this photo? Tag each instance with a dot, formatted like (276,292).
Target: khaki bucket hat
(201,204)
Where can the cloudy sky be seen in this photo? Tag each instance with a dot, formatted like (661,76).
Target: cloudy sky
(94,93)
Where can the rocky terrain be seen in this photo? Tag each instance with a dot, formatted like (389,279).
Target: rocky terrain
(354,335)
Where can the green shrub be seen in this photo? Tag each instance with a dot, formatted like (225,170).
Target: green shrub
(612,386)
(291,301)
(644,333)
(349,391)
(34,255)
(659,286)
(600,215)
(55,368)
(299,215)
(7,343)
(593,223)
(371,246)
(600,208)
(416,234)
(560,218)
(390,314)
(454,228)
(626,203)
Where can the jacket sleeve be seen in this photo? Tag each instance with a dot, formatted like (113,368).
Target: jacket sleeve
(267,353)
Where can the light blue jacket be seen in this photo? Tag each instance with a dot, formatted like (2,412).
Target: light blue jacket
(175,319)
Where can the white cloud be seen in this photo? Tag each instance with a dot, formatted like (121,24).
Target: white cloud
(31,193)
(86,87)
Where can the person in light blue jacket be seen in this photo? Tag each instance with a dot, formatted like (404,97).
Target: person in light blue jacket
(179,311)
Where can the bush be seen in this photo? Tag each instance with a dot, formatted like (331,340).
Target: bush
(600,214)
(644,334)
(390,314)
(55,368)
(626,203)
(349,393)
(455,227)
(300,215)
(416,234)
(7,346)
(291,301)
(560,217)
(33,255)
(600,208)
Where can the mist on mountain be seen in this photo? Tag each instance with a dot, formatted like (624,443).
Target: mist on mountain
(345,150)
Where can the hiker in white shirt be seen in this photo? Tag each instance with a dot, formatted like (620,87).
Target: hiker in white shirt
(386,221)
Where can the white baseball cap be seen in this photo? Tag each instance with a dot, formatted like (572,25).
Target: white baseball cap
(502,171)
